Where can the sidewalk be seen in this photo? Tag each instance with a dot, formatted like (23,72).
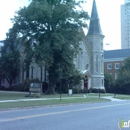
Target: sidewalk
(113,99)
(42,99)
(36,99)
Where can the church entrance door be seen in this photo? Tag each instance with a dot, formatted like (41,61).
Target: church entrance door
(86,82)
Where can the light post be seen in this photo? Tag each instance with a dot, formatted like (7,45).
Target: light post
(60,89)
(99,93)
(60,79)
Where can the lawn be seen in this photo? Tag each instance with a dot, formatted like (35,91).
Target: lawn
(75,98)
(7,95)
(42,103)
(48,99)
(123,97)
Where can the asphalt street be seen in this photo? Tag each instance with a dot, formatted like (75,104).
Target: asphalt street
(93,116)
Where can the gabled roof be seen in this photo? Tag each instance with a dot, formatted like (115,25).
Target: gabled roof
(114,54)
(94,25)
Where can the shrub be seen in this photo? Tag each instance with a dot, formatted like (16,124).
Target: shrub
(2,88)
(86,90)
(75,90)
(122,89)
(109,83)
(94,90)
(26,84)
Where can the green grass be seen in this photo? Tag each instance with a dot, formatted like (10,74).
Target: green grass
(102,94)
(79,98)
(4,95)
(49,102)
(11,96)
(123,97)
(14,96)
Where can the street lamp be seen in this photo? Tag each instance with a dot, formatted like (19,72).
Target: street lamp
(60,79)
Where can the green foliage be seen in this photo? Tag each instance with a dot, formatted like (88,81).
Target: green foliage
(1,72)
(108,83)
(51,32)
(10,58)
(72,81)
(94,90)
(26,84)
(75,79)
(77,90)
(123,80)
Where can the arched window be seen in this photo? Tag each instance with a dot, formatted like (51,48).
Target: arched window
(87,65)
(102,64)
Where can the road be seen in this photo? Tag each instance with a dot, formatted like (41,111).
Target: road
(93,116)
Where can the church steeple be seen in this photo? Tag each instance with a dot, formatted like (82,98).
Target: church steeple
(94,25)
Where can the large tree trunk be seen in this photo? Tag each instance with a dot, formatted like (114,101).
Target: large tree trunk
(51,87)
(52,81)
(10,82)
(50,90)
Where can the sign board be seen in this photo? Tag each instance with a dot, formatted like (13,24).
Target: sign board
(35,88)
(70,92)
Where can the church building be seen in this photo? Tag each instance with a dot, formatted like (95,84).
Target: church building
(90,61)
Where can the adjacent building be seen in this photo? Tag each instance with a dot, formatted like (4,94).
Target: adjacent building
(113,59)
(125,25)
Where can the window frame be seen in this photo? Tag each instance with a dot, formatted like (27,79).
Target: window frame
(108,66)
(116,66)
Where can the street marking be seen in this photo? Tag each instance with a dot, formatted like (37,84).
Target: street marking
(62,112)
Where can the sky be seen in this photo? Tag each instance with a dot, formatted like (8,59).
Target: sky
(108,10)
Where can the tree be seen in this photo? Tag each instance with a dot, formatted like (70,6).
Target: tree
(108,82)
(9,61)
(1,72)
(74,80)
(123,79)
(53,29)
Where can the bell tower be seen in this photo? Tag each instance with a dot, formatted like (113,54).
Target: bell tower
(95,39)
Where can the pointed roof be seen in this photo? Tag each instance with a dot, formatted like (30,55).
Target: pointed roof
(94,25)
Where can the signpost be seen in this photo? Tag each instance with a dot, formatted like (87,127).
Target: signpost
(35,88)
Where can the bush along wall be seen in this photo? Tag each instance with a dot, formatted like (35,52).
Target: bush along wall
(94,90)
